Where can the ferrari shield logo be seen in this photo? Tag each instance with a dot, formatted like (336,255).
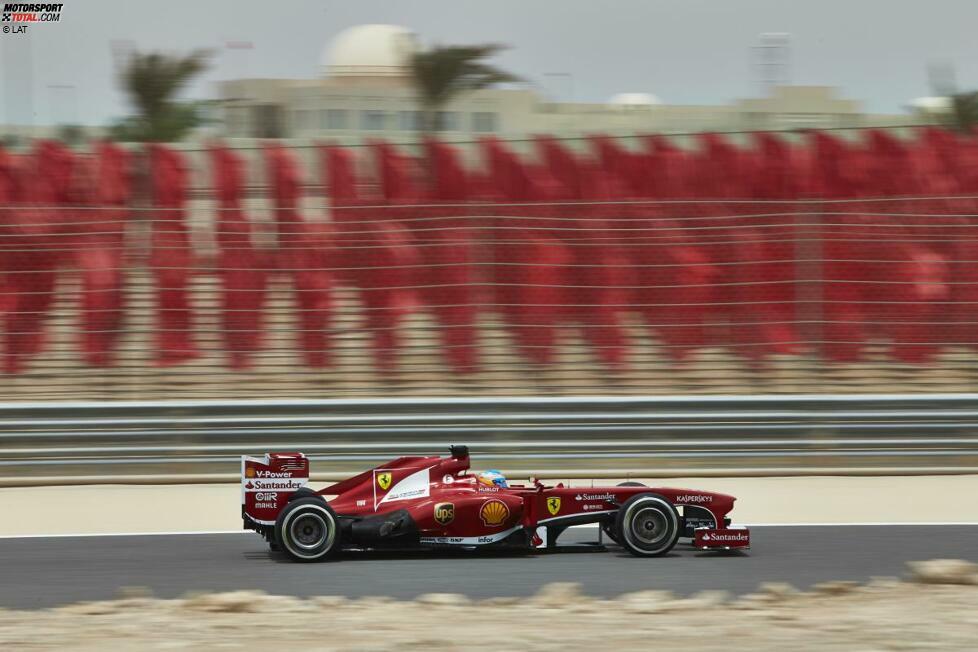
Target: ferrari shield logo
(444,513)
(384,480)
(553,505)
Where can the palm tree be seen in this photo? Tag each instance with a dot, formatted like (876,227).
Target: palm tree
(152,81)
(441,73)
(962,112)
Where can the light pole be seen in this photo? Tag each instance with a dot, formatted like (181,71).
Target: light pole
(68,116)
(244,47)
(570,82)
(16,58)
(570,94)
(238,102)
(773,60)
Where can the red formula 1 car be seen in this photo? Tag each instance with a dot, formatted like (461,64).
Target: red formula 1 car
(433,502)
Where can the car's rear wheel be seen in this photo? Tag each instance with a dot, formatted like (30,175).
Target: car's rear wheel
(647,525)
(307,530)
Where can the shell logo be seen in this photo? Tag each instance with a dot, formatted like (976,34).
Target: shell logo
(250,472)
(494,513)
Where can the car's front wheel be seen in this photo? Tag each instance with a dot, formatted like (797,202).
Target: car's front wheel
(608,526)
(647,525)
(307,530)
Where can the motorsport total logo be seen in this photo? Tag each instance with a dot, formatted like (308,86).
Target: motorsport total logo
(30,12)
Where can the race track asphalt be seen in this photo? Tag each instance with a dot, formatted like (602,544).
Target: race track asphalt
(44,572)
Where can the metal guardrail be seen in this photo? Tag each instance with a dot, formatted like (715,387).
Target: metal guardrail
(200,441)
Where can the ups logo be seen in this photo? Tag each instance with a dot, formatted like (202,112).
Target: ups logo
(444,513)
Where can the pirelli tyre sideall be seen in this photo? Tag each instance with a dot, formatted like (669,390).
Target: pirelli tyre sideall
(647,525)
(307,530)
(608,526)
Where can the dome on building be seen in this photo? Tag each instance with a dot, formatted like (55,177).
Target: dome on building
(634,99)
(369,51)
(931,104)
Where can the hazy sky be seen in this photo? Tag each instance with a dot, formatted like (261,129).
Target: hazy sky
(684,51)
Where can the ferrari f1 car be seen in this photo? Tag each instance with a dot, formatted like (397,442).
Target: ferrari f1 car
(434,502)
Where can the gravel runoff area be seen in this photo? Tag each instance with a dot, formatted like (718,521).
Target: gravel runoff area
(936,607)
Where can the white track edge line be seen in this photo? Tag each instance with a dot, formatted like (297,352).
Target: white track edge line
(585,525)
(864,524)
(120,534)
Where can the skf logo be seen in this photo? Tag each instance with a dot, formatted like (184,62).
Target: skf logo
(250,472)
(553,505)
(384,480)
(444,513)
(494,513)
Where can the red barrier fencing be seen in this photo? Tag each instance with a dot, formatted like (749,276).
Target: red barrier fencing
(815,254)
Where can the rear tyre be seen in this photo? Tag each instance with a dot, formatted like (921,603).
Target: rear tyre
(647,525)
(307,530)
(608,526)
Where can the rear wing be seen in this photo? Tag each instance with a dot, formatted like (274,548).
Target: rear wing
(267,482)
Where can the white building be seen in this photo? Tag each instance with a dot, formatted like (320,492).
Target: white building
(365,92)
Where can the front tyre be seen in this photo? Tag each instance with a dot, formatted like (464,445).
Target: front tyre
(647,525)
(608,526)
(307,530)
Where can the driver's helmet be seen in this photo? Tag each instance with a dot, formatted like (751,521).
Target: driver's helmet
(493,478)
